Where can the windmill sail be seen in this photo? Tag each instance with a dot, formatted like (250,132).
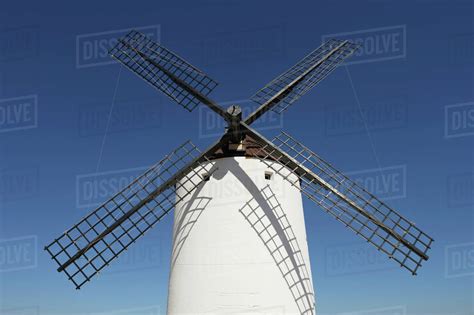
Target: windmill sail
(280,93)
(90,245)
(163,69)
(347,201)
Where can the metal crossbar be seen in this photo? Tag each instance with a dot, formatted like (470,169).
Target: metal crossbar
(349,203)
(276,232)
(90,245)
(295,82)
(163,69)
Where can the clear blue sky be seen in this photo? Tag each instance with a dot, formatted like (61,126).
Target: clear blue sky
(416,143)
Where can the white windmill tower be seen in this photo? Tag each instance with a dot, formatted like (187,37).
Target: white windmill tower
(239,243)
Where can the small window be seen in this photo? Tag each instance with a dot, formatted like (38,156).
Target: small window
(268,175)
(206,177)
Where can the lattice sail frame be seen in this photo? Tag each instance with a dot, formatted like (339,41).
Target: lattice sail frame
(342,210)
(100,254)
(163,69)
(329,56)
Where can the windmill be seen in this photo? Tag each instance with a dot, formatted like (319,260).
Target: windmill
(245,251)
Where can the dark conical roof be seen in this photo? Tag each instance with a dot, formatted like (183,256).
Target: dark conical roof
(249,148)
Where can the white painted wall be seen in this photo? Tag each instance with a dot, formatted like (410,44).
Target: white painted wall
(220,262)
